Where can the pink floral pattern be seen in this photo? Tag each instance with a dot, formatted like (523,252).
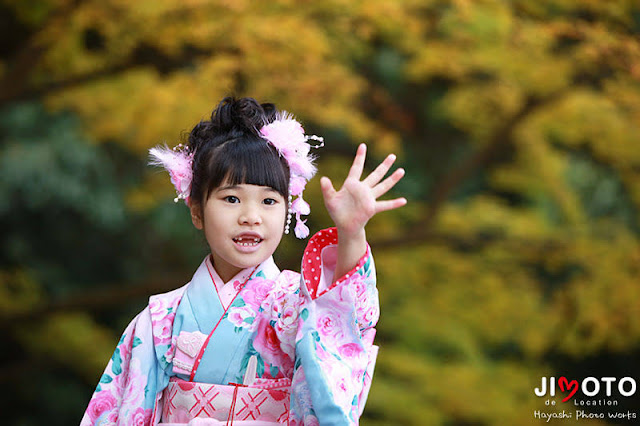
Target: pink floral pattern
(336,331)
(242,316)
(330,323)
(162,314)
(140,417)
(102,402)
(269,308)
(256,292)
(350,350)
(121,397)
(129,383)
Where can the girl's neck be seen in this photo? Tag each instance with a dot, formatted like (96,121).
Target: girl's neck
(225,270)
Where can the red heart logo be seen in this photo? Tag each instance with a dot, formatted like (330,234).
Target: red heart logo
(563,383)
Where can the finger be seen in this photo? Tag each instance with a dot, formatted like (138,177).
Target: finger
(327,188)
(358,162)
(383,206)
(380,171)
(388,183)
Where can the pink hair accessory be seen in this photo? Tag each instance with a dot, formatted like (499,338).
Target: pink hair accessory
(177,162)
(300,206)
(286,134)
(297,184)
(301,230)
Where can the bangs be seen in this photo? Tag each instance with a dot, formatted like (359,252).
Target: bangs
(248,160)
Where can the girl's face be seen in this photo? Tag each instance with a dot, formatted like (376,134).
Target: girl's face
(243,225)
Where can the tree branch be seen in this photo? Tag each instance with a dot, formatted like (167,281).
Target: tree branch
(142,56)
(421,231)
(15,81)
(98,300)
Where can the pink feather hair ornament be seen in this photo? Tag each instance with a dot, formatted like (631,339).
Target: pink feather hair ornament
(286,134)
(178,162)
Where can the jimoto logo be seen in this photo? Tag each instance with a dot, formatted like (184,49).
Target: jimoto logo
(594,399)
(590,387)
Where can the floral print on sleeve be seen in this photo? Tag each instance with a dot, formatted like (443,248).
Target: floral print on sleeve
(334,343)
(127,393)
(119,398)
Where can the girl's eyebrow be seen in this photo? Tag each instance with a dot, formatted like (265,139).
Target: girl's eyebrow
(223,188)
(237,187)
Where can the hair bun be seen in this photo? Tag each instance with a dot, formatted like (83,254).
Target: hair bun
(231,119)
(244,114)
(250,113)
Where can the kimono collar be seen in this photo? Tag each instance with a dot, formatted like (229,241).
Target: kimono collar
(237,280)
(202,291)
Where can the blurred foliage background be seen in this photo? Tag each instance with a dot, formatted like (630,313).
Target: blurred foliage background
(518,122)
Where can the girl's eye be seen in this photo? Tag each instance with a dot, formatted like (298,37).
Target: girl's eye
(231,199)
(269,201)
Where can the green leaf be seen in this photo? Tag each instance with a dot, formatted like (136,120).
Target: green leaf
(273,371)
(238,302)
(116,365)
(260,368)
(106,379)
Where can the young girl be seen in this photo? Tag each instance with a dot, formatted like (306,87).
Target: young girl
(243,341)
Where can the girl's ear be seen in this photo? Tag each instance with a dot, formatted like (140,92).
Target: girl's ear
(196,215)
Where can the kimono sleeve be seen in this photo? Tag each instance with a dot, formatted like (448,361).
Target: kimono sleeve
(126,393)
(335,354)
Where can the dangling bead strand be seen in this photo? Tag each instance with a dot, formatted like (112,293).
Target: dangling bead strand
(286,228)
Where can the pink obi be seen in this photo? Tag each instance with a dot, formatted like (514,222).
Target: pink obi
(265,402)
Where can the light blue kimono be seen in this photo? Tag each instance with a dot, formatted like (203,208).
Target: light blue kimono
(303,328)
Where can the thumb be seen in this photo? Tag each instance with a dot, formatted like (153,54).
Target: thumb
(327,188)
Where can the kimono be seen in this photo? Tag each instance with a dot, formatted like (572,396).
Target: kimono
(268,347)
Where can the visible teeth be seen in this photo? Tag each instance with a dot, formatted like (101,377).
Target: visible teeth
(244,243)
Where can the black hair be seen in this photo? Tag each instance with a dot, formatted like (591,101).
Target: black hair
(229,148)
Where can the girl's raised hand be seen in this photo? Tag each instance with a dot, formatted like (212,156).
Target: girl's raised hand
(357,201)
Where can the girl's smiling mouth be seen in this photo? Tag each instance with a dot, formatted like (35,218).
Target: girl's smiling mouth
(248,240)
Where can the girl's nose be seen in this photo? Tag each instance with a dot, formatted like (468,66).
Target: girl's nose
(250,216)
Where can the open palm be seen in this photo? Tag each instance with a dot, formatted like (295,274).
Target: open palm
(357,201)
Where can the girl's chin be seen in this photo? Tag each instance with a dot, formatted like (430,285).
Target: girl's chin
(242,257)
(249,260)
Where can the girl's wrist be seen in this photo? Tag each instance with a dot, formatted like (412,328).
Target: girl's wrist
(351,235)
(351,247)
